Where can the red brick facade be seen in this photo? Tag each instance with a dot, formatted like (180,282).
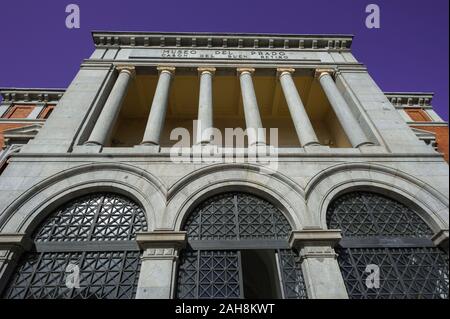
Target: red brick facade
(17,106)
(442,137)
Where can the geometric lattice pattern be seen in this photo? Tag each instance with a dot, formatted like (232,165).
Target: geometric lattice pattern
(364,214)
(292,276)
(234,216)
(106,274)
(405,270)
(103,275)
(217,273)
(94,218)
(413,273)
(209,274)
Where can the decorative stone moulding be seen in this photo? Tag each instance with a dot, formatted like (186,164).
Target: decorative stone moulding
(203,40)
(31,95)
(410,99)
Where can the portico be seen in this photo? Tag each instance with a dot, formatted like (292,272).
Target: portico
(254,99)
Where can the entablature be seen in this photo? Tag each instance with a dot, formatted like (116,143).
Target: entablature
(223,40)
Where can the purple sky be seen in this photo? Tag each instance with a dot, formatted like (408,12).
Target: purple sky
(409,53)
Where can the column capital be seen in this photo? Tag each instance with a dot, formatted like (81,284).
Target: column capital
(314,237)
(166,69)
(320,72)
(245,70)
(130,69)
(209,70)
(441,238)
(15,241)
(162,239)
(281,71)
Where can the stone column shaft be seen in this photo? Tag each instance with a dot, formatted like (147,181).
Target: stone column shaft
(303,126)
(158,109)
(111,109)
(349,123)
(255,131)
(205,106)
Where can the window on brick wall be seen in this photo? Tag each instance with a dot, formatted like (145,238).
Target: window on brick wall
(418,115)
(19,112)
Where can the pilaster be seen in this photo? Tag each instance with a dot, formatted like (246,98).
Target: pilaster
(159,263)
(12,246)
(320,268)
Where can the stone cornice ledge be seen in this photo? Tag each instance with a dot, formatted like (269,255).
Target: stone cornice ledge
(314,237)
(162,239)
(410,98)
(13,95)
(14,241)
(222,40)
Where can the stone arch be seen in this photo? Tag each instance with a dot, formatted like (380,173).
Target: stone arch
(33,206)
(279,190)
(429,203)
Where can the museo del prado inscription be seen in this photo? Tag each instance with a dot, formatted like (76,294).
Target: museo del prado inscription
(223,54)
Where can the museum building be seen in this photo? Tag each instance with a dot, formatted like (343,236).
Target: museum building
(336,189)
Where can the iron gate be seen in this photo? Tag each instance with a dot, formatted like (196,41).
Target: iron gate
(218,230)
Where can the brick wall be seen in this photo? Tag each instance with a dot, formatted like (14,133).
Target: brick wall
(442,138)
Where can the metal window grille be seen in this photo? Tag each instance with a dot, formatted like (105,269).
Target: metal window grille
(380,231)
(218,229)
(95,233)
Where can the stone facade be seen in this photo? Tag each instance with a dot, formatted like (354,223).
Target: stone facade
(74,154)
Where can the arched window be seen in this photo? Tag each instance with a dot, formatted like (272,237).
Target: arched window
(85,249)
(386,250)
(238,248)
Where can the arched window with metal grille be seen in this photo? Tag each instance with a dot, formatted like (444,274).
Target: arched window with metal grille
(227,234)
(86,249)
(386,250)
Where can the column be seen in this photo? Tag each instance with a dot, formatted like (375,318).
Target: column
(158,109)
(256,134)
(349,123)
(157,278)
(111,109)
(205,106)
(303,126)
(12,246)
(323,278)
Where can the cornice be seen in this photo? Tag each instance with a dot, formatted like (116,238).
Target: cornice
(222,40)
(428,124)
(410,99)
(14,95)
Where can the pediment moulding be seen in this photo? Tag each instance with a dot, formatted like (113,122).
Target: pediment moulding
(217,40)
